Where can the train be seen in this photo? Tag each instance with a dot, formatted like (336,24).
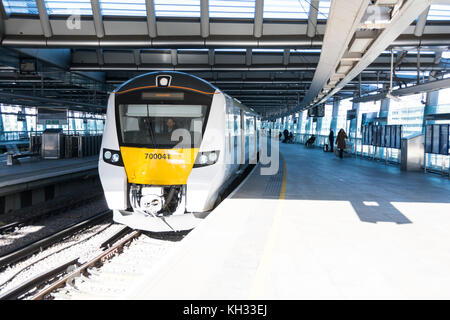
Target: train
(172,144)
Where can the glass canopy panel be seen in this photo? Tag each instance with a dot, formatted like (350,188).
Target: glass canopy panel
(439,12)
(20,7)
(123,8)
(324,9)
(177,8)
(286,9)
(232,9)
(64,7)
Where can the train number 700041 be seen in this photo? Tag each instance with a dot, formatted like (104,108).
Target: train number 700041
(157,156)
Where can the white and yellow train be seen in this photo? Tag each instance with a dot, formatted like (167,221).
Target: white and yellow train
(172,143)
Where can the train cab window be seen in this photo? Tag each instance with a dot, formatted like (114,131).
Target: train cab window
(161,126)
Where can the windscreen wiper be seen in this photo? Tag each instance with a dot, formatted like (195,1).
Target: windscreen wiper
(150,127)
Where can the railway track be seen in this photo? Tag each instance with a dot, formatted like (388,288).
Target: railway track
(45,242)
(62,275)
(56,210)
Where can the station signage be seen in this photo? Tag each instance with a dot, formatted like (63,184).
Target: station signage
(52,116)
(351,114)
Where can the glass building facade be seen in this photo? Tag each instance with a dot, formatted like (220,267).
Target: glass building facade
(409,111)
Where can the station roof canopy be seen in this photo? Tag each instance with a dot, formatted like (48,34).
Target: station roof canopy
(277,56)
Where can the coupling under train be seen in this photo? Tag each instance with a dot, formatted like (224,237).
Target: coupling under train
(172,143)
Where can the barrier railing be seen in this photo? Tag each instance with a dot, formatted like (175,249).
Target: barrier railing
(8,136)
(355,147)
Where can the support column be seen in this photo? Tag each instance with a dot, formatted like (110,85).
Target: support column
(334,116)
(432,100)
(308,125)
(353,131)
(2,128)
(24,123)
(299,122)
(354,122)
(384,108)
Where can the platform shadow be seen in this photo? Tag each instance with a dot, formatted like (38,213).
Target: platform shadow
(373,211)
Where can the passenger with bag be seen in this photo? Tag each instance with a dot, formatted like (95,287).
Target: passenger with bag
(340,142)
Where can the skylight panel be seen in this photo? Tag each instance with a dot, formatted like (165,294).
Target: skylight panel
(267,50)
(286,9)
(177,8)
(232,9)
(324,9)
(121,8)
(20,7)
(439,12)
(64,7)
(230,50)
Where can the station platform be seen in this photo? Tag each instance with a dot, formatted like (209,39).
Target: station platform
(31,171)
(321,228)
(34,181)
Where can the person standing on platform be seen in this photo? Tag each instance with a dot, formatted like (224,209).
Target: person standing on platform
(286,135)
(340,142)
(331,139)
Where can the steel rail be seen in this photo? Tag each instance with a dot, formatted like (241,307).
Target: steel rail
(23,288)
(108,254)
(36,246)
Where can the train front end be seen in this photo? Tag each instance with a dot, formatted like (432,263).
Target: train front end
(153,133)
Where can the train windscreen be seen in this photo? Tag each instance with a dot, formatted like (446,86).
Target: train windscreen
(162,126)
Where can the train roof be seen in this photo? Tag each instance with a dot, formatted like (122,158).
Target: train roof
(177,80)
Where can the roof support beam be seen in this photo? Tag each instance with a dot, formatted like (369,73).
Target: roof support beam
(235,41)
(174,54)
(420,88)
(286,55)
(3,17)
(248,57)
(420,23)
(211,57)
(151,19)
(43,16)
(100,58)
(137,56)
(51,100)
(343,20)
(408,12)
(312,19)
(98,19)
(258,23)
(204,18)
(438,56)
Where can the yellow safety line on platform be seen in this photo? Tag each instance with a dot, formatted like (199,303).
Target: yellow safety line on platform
(283,186)
(262,271)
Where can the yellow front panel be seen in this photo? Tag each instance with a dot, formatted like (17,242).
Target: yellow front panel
(158,166)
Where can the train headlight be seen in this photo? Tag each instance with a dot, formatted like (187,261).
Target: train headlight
(107,155)
(206,158)
(202,159)
(115,158)
(212,157)
(112,157)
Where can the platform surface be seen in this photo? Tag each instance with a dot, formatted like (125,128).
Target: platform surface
(32,169)
(325,228)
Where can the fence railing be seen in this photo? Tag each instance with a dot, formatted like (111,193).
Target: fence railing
(355,147)
(9,136)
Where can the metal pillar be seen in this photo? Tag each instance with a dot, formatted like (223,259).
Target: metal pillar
(384,108)
(334,116)
(353,131)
